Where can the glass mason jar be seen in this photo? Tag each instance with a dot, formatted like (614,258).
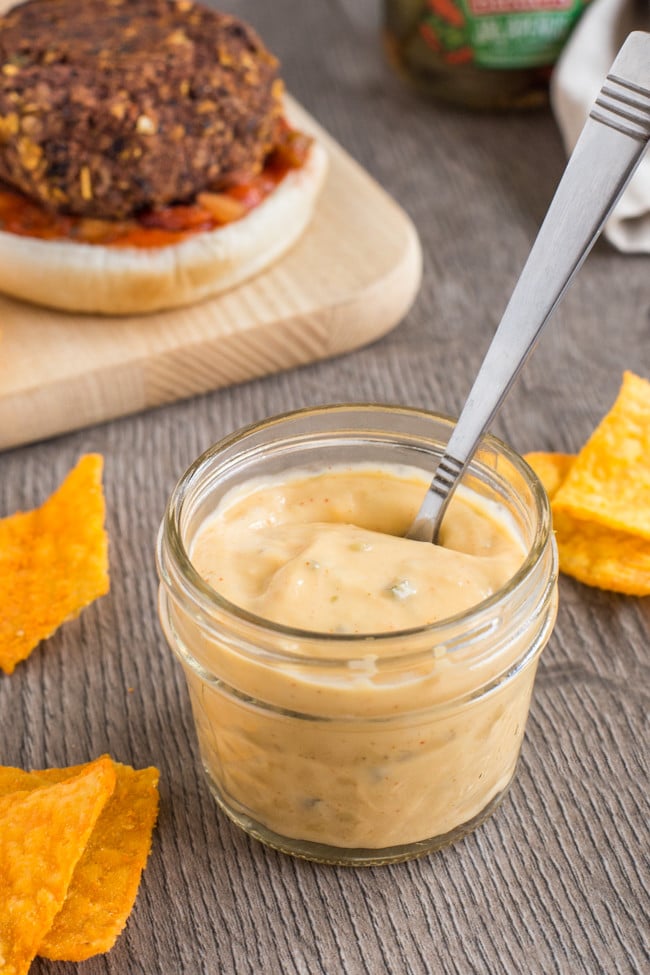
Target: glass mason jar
(357,749)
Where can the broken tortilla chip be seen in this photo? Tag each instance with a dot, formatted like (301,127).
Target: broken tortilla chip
(589,548)
(602,557)
(43,834)
(53,562)
(105,882)
(609,482)
(551,469)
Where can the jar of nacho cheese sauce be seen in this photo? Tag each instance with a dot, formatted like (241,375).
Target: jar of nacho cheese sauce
(358,749)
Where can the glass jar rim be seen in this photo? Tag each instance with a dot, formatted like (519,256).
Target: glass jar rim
(205,597)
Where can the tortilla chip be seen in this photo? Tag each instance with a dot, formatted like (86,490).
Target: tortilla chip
(16,780)
(106,879)
(105,884)
(53,562)
(43,833)
(551,469)
(609,483)
(602,557)
(590,552)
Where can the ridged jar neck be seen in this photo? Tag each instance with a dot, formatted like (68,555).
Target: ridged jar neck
(354,434)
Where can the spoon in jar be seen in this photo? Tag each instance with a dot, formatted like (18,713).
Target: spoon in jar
(608,151)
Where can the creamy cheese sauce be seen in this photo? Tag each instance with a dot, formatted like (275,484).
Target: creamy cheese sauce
(326,553)
(355,756)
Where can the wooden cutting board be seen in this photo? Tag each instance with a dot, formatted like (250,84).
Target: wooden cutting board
(350,279)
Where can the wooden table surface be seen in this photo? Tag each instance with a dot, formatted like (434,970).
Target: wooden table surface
(557,880)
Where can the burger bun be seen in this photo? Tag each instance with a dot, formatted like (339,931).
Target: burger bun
(109,280)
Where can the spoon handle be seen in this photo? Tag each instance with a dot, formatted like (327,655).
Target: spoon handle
(608,151)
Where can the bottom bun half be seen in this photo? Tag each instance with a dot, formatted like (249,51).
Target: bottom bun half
(97,278)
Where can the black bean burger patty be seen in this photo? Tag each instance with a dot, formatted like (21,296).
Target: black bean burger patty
(108,107)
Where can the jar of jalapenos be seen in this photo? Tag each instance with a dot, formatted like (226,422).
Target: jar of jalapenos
(492,54)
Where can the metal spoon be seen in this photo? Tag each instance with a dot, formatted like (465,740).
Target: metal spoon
(608,151)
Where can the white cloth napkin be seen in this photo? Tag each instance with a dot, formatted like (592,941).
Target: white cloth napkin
(577,78)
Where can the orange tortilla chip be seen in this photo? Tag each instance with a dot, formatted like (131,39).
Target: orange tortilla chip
(16,780)
(609,482)
(106,879)
(43,833)
(602,557)
(551,469)
(590,552)
(53,562)
(105,884)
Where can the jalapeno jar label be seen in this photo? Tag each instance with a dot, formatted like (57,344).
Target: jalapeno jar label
(499,33)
